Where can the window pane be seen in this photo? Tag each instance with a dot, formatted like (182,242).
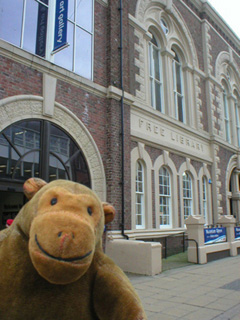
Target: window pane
(83,54)
(150,59)
(139,194)
(29,167)
(156,64)
(187,194)
(140,187)
(66,149)
(35,13)
(154,41)
(56,169)
(164,196)
(158,96)
(178,76)
(66,159)
(10,29)
(24,136)
(71,10)
(180,108)
(64,58)
(139,220)
(84,14)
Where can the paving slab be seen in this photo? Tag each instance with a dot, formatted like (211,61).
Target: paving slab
(206,292)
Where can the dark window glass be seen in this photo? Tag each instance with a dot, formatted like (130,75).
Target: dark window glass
(22,153)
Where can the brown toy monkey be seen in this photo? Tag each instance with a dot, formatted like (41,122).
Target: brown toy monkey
(51,259)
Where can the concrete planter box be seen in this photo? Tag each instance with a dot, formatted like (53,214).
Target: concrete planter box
(136,256)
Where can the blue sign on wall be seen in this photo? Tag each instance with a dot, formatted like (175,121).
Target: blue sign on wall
(60,37)
(214,235)
(237,233)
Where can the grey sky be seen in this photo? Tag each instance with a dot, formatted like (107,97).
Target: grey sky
(229,10)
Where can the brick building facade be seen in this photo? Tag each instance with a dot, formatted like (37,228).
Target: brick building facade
(159,80)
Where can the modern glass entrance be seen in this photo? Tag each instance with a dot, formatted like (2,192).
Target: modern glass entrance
(36,148)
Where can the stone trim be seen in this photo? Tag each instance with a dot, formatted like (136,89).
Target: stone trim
(197,81)
(22,107)
(104,3)
(139,153)
(217,179)
(208,48)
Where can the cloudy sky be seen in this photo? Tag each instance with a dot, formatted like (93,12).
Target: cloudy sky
(229,10)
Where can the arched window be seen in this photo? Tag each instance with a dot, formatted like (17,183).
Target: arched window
(178,89)
(187,195)
(155,75)
(226,114)
(205,199)
(140,203)
(237,114)
(165,198)
(38,148)
(35,148)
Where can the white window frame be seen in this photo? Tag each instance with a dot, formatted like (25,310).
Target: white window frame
(177,94)
(226,116)
(152,76)
(187,199)
(140,195)
(165,197)
(205,198)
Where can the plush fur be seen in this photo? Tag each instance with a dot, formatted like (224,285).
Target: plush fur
(51,259)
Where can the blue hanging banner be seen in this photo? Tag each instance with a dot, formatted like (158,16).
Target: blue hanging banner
(41,29)
(60,37)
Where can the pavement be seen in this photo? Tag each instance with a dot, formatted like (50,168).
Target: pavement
(209,291)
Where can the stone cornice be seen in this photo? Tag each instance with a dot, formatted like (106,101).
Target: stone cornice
(136,24)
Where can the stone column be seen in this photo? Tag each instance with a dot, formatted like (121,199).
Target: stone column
(169,104)
(232,116)
(229,223)
(195,231)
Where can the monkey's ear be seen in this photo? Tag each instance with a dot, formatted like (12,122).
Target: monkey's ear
(32,186)
(109,212)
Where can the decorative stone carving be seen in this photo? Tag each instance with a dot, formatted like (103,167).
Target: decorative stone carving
(218,182)
(197,80)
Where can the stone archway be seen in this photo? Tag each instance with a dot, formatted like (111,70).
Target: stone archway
(233,188)
(18,108)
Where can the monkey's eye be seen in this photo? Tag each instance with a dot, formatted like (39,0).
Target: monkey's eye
(53,201)
(89,210)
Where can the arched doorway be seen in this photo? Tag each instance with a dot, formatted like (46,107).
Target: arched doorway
(36,148)
(234,194)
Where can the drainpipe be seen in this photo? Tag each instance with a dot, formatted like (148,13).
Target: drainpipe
(122,118)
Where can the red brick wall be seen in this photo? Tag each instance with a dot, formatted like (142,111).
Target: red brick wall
(101,45)
(217,46)
(16,79)
(195,28)
(203,108)
(89,108)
